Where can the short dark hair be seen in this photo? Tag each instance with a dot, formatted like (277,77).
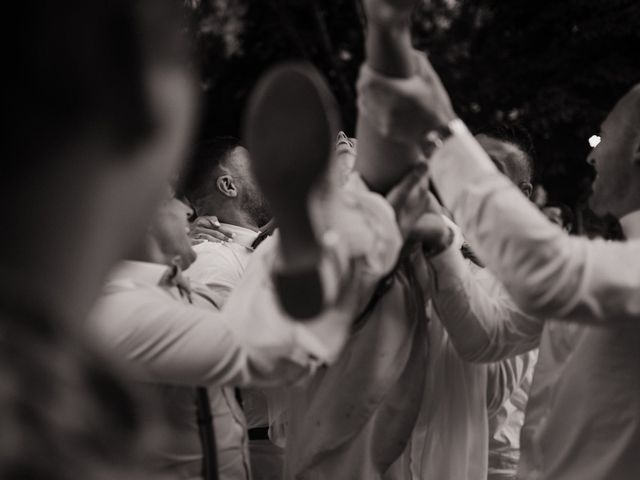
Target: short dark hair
(205,161)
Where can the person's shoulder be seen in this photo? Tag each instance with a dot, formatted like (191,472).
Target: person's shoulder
(486,279)
(207,248)
(212,255)
(217,264)
(124,299)
(118,288)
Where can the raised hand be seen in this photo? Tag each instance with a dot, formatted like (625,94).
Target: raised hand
(404,109)
(389,12)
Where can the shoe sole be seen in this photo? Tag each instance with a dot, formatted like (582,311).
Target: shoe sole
(290,129)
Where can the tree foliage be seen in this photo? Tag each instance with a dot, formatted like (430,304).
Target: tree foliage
(543,72)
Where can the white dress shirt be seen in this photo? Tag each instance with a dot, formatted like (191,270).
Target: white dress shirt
(505,427)
(220,266)
(353,420)
(168,341)
(182,458)
(451,436)
(252,341)
(583,415)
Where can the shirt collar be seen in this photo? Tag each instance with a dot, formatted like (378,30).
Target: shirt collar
(243,236)
(631,224)
(143,272)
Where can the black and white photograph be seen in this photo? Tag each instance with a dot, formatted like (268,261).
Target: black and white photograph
(320,240)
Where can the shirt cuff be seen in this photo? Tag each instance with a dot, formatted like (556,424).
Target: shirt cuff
(450,268)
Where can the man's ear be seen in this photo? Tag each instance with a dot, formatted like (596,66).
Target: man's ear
(226,186)
(526,188)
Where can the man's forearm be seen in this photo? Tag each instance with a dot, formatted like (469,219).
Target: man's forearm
(484,326)
(383,162)
(389,50)
(547,273)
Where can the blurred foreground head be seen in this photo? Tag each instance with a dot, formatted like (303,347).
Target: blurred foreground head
(100,101)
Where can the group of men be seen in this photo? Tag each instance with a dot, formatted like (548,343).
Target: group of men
(292,306)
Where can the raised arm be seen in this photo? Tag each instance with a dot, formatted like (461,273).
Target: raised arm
(547,273)
(382,161)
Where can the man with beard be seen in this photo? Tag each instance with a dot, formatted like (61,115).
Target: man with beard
(221,184)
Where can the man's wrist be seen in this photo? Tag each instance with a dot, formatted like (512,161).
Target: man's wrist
(435,138)
(436,248)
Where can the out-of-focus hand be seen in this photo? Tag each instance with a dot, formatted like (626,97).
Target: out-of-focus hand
(388,12)
(404,109)
(430,229)
(208,229)
(409,198)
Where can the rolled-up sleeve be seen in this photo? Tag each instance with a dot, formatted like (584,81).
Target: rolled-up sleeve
(547,273)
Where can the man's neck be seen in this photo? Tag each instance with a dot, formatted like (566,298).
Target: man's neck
(236,218)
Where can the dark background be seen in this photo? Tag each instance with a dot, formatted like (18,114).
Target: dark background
(544,73)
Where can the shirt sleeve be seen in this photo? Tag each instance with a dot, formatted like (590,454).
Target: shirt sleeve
(163,341)
(547,272)
(482,320)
